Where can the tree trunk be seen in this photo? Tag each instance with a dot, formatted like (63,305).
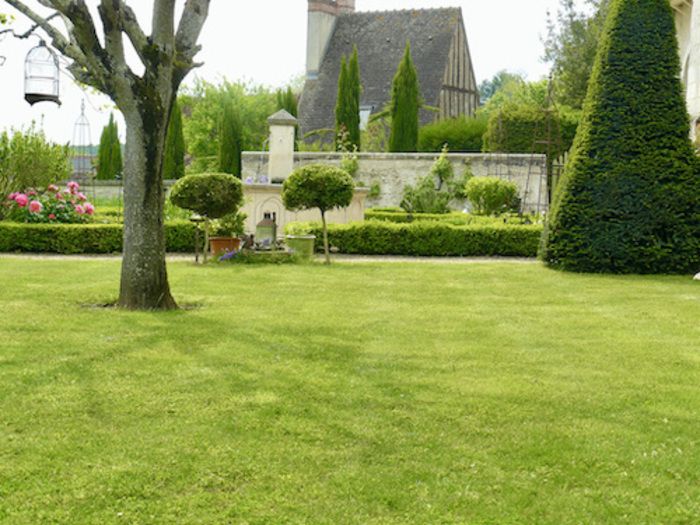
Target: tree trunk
(144,278)
(326,248)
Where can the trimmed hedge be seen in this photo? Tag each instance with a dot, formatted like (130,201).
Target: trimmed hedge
(461,134)
(69,239)
(629,200)
(432,239)
(454,218)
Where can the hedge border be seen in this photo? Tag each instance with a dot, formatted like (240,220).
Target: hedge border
(72,239)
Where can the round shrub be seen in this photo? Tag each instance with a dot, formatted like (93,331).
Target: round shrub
(212,195)
(492,196)
(318,186)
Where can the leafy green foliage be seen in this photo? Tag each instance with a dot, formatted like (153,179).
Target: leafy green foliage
(492,196)
(317,186)
(230,141)
(109,156)
(174,161)
(629,200)
(347,109)
(433,193)
(570,46)
(405,104)
(211,195)
(201,106)
(28,160)
(488,88)
(432,239)
(456,218)
(69,239)
(287,100)
(461,134)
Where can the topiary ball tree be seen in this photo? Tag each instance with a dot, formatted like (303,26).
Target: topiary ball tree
(629,200)
(318,186)
(211,195)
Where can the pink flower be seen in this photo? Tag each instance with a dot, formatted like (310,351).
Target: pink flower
(21,199)
(79,210)
(35,207)
(52,217)
(73,187)
(89,208)
(81,197)
(12,196)
(53,188)
(32,193)
(59,196)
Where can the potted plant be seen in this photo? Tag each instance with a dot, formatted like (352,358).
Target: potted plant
(226,233)
(211,195)
(321,187)
(300,240)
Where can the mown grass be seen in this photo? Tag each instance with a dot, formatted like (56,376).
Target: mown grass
(368,394)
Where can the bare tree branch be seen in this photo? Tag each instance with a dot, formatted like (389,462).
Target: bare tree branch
(163,30)
(190,28)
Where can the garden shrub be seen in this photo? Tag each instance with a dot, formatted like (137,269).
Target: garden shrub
(52,205)
(84,238)
(629,200)
(455,218)
(211,195)
(462,134)
(492,196)
(318,186)
(28,160)
(432,239)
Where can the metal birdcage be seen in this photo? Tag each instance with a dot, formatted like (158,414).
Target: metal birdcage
(41,76)
(82,157)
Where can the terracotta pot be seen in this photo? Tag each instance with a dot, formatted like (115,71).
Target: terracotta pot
(221,245)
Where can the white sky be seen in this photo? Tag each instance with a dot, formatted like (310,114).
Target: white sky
(264,41)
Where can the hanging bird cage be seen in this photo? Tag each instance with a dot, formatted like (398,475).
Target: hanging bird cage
(41,73)
(82,156)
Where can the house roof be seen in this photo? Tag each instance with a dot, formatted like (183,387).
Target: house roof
(381,38)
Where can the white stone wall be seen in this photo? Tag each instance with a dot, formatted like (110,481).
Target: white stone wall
(392,171)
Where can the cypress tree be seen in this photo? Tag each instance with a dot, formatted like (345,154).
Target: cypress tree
(629,200)
(347,109)
(174,161)
(287,100)
(405,103)
(341,107)
(109,156)
(230,141)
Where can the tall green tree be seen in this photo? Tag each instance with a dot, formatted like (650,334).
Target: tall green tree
(109,156)
(347,109)
(571,45)
(230,141)
(174,161)
(629,200)
(287,100)
(405,104)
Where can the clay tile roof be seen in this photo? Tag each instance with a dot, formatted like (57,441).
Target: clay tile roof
(381,38)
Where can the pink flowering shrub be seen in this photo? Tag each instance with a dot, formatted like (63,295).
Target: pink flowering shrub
(52,205)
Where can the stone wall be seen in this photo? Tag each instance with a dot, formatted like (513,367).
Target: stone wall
(390,172)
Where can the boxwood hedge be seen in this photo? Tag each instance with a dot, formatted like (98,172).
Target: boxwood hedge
(84,238)
(432,239)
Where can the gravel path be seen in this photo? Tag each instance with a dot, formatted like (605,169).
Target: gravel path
(354,259)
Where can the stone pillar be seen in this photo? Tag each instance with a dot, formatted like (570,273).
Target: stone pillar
(282,128)
(693,70)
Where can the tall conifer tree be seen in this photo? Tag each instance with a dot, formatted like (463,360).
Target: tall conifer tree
(347,109)
(230,141)
(629,201)
(405,104)
(174,161)
(109,156)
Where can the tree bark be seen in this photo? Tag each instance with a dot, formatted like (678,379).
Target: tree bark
(144,277)
(326,247)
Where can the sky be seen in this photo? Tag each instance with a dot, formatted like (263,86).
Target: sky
(264,42)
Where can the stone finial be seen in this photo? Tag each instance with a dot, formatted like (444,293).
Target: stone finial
(282,118)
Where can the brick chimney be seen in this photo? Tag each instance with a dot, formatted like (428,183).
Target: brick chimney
(322,18)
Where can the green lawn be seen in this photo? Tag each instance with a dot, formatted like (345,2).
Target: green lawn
(371,394)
